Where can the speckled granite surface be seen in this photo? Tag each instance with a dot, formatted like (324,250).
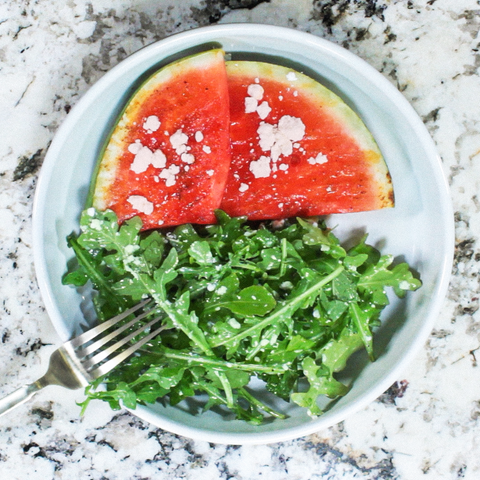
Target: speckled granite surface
(427,425)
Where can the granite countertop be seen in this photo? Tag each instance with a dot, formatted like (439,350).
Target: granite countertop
(427,425)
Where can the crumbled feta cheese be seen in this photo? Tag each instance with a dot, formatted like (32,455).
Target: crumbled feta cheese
(291,77)
(234,323)
(222,290)
(263,110)
(198,136)
(91,212)
(279,138)
(179,141)
(169,174)
(207,149)
(145,157)
(141,204)
(151,124)
(161,222)
(292,127)
(283,166)
(96,224)
(187,158)
(210,172)
(318,160)
(261,167)
(243,187)
(250,105)
(129,249)
(255,91)
(135,147)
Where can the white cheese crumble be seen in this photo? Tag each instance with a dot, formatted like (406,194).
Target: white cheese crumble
(243,187)
(222,290)
(255,91)
(263,110)
(198,136)
(145,157)
(250,105)
(255,94)
(210,172)
(291,77)
(135,147)
(96,224)
(141,204)
(169,175)
(261,167)
(187,158)
(151,124)
(318,160)
(234,323)
(278,139)
(207,149)
(179,141)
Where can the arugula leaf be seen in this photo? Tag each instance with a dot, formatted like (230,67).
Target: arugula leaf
(250,301)
(319,384)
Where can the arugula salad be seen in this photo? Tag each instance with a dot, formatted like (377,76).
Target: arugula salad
(282,302)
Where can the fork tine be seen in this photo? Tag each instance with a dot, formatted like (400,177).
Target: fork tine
(102,354)
(93,332)
(85,351)
(113,362)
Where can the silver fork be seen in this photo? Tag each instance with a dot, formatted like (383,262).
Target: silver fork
(81,360)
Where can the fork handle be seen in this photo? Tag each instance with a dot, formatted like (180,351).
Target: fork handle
(19,396)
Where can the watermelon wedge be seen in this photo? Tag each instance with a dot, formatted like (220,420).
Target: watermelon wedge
(297,148)
(168,157)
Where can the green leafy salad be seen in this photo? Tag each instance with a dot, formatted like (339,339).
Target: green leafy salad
(282,302)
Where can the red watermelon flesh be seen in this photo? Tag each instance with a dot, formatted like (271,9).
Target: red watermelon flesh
(168,157)
(297,148)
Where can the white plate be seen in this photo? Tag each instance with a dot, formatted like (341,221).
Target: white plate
(419,229)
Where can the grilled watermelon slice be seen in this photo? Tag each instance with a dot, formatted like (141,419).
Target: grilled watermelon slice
(168,157)
(297,148)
